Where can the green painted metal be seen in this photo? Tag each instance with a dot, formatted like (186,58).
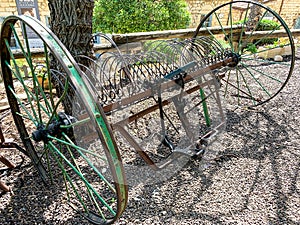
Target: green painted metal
(82,177)
(27,56)
(94,112)
(238,82)
(56,145)
(243,29)
(49,145)
(205,108)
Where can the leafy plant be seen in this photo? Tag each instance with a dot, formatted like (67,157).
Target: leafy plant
(111,16)
(283,42)
(224,44)
(251,48)
(163,47)
(263,25)
(266,24)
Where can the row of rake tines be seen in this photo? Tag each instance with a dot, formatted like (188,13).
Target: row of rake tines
(115,75)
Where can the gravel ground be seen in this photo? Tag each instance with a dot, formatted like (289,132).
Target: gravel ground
(255,182)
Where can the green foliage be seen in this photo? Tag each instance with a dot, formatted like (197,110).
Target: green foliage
(157,45)
(224,44)
(125,16)
(162,47)
(251,48)
(263,25)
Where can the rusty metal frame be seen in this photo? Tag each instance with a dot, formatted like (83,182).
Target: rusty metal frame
(120,125)
(5,161)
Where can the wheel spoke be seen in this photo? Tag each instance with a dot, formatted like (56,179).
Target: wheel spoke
(266,35)
(257,81)
(264,74)
(17,74)
(81,177)
(80,152)
(249,36)
(257,46)
(89,192)
(238,84)
(223,30)
(266,61)
(243,29)
(90,163)
(29,95)
(31,117)
(246,84)
(27,55)
(231,24)
(66,176)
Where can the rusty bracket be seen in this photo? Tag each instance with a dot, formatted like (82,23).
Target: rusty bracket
(10,165)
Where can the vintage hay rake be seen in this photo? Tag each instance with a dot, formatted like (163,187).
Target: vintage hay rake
(162,103)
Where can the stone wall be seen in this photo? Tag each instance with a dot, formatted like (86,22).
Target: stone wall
(44,10)
(289,10)
(201,7)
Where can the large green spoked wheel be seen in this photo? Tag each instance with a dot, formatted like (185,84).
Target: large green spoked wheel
(63,128)
(262,46)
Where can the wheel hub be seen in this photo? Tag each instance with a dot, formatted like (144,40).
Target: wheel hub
(236,58)
(53,129)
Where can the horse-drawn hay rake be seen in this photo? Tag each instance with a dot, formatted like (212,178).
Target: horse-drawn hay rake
(91,121)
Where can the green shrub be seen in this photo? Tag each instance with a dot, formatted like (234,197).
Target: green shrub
(251,48)
(263,24)
(111,16)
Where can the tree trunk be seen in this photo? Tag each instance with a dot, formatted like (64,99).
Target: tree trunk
(71,21)
(254,16)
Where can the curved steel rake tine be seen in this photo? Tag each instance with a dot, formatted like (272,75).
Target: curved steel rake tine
(104,95)
(109,40)
(110,67)
(204,46)
(147,62)
(92,77)
(164,47)
(157,60)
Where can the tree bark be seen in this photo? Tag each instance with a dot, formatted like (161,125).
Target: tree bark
(71,21)
(254,16)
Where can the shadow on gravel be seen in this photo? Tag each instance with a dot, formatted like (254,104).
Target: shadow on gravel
(34,202)
(190,197)
(266,140)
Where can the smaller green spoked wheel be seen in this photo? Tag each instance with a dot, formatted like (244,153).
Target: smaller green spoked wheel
(61,125)
(262,46)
